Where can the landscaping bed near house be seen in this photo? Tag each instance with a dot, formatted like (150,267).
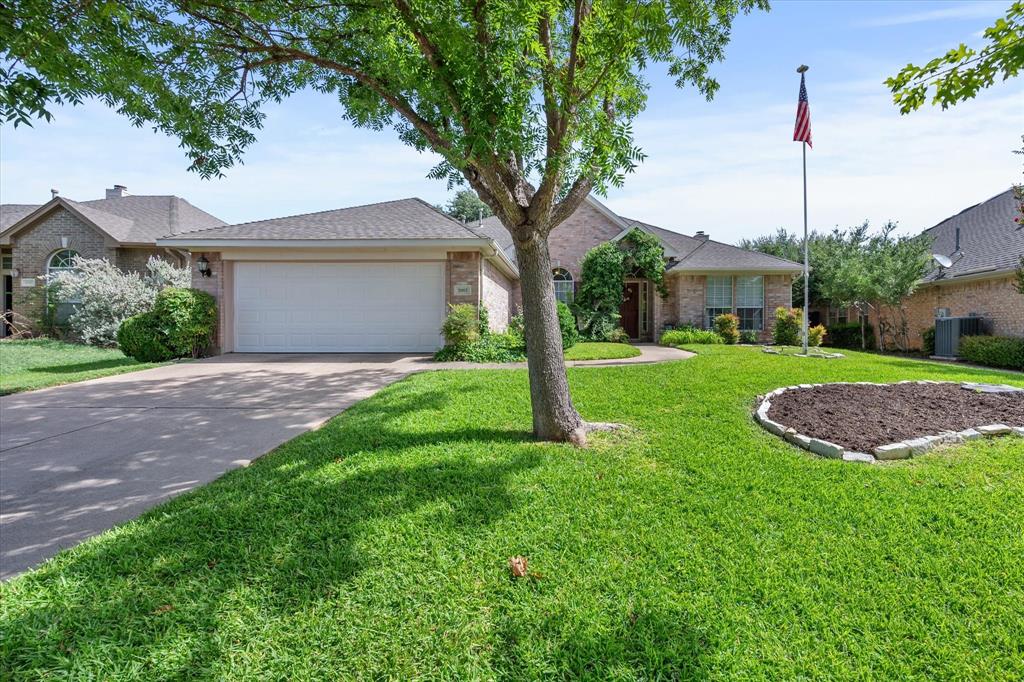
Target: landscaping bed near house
(601,350)
(862,417)
(37,363)
(693,546)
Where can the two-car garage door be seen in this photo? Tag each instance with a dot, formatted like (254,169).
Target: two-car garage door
(338,307)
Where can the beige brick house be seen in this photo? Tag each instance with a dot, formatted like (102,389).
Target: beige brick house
(379,277)
(985,246)
(37,239)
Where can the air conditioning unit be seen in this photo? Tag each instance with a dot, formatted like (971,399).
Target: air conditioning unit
(949,331)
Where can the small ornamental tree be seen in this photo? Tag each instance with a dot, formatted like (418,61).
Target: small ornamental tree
(105,296)
(530,103)
(897,265)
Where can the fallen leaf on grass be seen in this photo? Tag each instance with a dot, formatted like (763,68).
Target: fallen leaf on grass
(517,565)
(162,609)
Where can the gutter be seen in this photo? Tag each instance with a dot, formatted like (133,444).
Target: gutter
(215,244)
(969,276)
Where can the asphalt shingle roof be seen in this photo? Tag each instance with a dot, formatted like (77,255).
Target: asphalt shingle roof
(129,219)
(691,253)
(989,239)
(399,219)
(12,213)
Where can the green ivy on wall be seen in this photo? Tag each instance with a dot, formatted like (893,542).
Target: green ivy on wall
(638,254)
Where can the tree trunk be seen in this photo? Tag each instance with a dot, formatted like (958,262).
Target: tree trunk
(554,417)
(863,331)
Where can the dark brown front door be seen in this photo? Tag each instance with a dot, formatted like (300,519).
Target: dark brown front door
(630,310)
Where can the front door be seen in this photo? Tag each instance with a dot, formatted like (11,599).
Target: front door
(630,310)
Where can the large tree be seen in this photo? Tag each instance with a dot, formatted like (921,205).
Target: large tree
(530,102)
(467,207)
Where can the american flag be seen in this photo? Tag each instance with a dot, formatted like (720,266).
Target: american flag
(802,131)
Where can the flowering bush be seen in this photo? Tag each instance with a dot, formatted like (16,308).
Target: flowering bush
(103,296)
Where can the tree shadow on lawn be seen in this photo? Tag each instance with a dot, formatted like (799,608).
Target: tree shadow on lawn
(84,366)
(265,542)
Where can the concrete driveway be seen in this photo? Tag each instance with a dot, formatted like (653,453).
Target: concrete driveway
(77,459)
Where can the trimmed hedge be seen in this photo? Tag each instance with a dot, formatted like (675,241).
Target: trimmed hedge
(140,337)
(847,335)
(993,351)
(689,335)
(181,324)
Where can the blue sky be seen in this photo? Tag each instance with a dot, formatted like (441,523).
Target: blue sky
(728,167)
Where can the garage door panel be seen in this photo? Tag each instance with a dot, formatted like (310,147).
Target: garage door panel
(338,307)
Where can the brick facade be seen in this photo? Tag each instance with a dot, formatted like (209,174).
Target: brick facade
(215,285)
(496,296)
(134,259)
(685,303)
(32,247)
(995,298)
(580,232)
(462,274)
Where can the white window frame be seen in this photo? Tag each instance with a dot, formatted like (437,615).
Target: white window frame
(748,304)
(52,269)
(564,285)
(714,303)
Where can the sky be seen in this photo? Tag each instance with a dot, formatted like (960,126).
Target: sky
(728,167)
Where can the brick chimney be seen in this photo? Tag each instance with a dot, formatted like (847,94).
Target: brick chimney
(117,191)
(700,234)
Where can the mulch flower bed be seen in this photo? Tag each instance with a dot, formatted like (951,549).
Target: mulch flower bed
(862,417)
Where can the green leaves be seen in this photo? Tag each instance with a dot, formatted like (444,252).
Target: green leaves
(959,74)
(501,99)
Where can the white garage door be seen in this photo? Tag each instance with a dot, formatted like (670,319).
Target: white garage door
(338,307)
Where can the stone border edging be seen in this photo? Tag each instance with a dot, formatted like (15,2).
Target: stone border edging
(890,451)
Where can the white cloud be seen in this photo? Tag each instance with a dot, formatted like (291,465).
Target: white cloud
(972,10)
(738,174)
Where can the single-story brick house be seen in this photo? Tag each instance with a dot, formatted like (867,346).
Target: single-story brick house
(389,270)
(985,246)
(36,239)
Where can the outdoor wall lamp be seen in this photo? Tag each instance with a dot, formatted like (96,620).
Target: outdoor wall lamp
(203,266)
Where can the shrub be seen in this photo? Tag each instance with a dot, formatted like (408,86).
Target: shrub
(105,296)
(689,335)
(618,335)
(994,351)
(141,337)
(787,326)
(597,326)
(815,335)
(749,336)
(727,326)
(188,317)
(928,341)
(516,325)
(847,335)
(567,323)
(485,320)
(507,347)
(461,327)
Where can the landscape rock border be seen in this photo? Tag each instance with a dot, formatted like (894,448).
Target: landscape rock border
(890,451)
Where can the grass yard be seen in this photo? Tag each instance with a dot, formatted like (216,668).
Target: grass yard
(696,546)
(37,363)
(594,350)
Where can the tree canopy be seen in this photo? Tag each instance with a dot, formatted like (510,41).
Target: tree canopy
(466,206)
(959,74)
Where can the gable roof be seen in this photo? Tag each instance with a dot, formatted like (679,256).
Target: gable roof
(990,242)
(689,253)
(125,220)
(399,219)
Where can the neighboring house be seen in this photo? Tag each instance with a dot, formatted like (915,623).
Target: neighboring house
(36,240)
(985,246)
(379,277)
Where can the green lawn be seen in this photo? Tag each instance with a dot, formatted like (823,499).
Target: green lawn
(587,350)
(37,363)
(695,546)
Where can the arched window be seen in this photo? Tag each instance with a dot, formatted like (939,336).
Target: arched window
(563,285)
(61,261)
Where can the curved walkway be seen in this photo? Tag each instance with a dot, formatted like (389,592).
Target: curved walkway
(649,354)
(78,459)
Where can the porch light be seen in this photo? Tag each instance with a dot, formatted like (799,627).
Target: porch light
(203,266)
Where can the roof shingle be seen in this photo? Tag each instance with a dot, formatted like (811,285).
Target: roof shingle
(989,239)
(399,219)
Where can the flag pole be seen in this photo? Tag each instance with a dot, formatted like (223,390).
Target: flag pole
(807,273)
